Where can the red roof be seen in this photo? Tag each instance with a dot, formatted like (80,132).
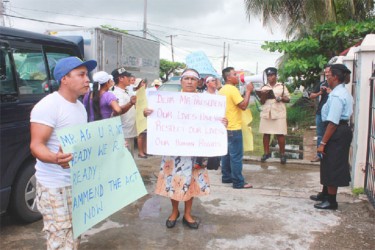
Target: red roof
(345,52)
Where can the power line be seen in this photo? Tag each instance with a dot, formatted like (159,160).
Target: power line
(202,35)
(42,21)
(91,17)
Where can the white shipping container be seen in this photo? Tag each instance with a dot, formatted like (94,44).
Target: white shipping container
(113,49)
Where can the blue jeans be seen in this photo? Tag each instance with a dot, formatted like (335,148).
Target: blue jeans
(231,163)
(320,129)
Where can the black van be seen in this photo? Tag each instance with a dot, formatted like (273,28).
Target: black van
(27,61)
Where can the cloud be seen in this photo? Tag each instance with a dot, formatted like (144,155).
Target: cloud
(196,25)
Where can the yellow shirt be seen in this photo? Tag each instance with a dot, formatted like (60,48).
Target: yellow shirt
(232,112)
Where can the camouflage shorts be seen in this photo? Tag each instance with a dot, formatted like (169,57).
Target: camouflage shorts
(55,204)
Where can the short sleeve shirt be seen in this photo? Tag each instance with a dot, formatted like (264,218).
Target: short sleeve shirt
(233,113)
(56,112)
(272,109)
(105,105)
(128,119)
(339,105)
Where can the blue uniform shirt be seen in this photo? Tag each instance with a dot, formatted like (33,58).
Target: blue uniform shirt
(339,105)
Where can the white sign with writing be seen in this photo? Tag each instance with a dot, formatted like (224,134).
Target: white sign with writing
(186,124)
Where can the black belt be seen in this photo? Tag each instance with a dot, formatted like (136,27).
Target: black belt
(341,122)
(344,122)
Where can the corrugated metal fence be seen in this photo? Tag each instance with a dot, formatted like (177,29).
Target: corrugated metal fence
(370,162)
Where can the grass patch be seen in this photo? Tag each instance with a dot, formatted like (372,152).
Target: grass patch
(299,116)
(358,191)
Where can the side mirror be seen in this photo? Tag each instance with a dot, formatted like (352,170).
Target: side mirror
(51,86)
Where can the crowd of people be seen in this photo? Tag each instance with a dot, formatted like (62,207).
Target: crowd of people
(180,178)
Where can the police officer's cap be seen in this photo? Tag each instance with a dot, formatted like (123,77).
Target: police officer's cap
(340,67)
(271,71)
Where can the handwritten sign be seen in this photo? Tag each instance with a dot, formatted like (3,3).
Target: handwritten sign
(186,124)
(141,104)
(104,176)
(200,62)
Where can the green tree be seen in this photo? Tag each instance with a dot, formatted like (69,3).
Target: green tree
(304,58)
(298,17)
(168,67)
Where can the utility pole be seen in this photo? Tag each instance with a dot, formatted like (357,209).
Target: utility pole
(257,69)
(228,55)
(223,62)
(145,19)
(171,37)
(2,12)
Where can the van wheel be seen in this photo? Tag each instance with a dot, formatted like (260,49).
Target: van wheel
(23,204)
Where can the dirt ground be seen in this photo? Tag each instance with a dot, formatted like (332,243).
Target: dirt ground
(355,231)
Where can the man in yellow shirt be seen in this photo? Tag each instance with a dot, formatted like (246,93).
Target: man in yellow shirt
(231,163)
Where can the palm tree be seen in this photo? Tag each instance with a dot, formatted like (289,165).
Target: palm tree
(298,17)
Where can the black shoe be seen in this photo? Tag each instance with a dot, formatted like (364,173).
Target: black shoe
(326,205)
(316,159)
(226,182)
(142,156)
(265,157)
(282,159)
(192,225)
(319,197)
(171,223)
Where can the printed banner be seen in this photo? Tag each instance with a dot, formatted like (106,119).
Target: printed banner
(186,124)
(104,176)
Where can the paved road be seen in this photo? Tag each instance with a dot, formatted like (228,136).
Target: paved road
(276,214)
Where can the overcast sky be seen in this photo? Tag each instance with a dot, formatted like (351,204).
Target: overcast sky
(195,24)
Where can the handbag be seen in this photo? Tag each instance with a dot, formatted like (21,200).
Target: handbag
(200,162)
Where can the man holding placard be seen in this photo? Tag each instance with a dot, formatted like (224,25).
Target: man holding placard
(231,163)
(58,110)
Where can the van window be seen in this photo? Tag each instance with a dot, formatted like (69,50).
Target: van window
(7,85)
(31,71)
(54,54)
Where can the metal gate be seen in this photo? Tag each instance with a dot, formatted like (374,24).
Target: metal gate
(370,162)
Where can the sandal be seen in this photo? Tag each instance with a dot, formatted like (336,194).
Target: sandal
(142,156)
(245,186)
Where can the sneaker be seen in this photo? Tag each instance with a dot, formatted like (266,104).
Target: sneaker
(282,159)
(265,157)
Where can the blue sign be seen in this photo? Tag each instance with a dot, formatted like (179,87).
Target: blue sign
(200,62)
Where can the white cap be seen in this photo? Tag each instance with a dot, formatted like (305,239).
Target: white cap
(102,77)
(156,82)
(137,82)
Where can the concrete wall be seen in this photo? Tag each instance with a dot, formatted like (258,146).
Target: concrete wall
(364,58)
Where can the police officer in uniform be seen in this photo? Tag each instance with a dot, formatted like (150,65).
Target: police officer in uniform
(335,144)
(273,114)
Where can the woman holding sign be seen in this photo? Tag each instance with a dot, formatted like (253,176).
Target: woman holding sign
(273,97)
(181,178)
